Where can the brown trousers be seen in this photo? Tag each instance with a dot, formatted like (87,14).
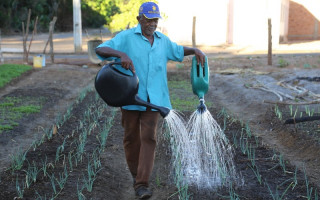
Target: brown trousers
(139,143)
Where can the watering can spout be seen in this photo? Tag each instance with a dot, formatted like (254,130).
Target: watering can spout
(162,110)
(201,107)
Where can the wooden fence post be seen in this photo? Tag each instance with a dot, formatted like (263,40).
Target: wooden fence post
(50,39)
(194,32)
(25,31)
(269,42)
(33,33)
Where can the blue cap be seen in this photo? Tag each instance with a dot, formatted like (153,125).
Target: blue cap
(150,10)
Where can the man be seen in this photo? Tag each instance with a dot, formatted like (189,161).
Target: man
(146,52)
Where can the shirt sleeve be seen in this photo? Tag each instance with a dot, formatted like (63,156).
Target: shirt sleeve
(175,52)
(114,43)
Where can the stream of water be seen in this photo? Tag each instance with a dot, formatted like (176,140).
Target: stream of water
(202,155)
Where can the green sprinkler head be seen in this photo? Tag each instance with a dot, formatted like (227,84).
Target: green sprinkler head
(199,78)
(201,107)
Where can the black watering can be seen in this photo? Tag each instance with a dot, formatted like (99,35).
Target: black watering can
(119,89)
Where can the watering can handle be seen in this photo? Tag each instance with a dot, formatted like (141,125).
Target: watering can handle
(119,63)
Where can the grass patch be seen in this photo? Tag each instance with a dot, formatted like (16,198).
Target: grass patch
(27,109)
(5,127)
(11,71)
(182,97)
(12,109)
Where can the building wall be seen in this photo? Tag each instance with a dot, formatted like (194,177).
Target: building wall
(247,24)
(304,20)
(241,22)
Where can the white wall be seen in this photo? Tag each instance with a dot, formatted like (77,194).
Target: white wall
(250,21)
(211,20)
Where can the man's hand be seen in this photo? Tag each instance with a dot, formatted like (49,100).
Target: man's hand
(107,52)
(200,56)
(126,62)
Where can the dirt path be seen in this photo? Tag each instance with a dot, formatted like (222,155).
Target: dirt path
(61,84)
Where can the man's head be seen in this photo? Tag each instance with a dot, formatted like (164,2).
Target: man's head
(149,14)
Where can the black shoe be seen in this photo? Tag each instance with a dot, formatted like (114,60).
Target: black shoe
(143,192)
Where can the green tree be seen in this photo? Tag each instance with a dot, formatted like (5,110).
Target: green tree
(105,8)
(114,14)
(127,16)
(14,12)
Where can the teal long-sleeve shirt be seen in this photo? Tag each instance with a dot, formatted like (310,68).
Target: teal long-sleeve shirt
(150,63)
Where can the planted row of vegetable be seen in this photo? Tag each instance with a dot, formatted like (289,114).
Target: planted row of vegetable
(62,157)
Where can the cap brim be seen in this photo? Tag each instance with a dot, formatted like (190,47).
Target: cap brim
(152,16)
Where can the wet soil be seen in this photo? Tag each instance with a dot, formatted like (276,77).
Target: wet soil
(283,153)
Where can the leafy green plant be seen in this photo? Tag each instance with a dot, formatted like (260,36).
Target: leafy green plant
(91,177)
(277,195)
(79,192)
(44,167)
(282,163)
(33,172)
(62,178)
(291,109)
(282,63)
(244,144)
(235,140)
(20,189)
(96,159)
(248,130)
(232,194)
(278,112)
(158,180)
(295,180)
(257,173)
(18,159)
(70,160)
(60,149)
(251,155)
(39,197)
(307,65)
(52,180)
(224,114)
(309,189)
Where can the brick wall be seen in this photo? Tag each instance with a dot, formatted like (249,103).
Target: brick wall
(302,24)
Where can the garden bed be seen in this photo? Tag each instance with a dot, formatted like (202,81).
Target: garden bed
(79,154)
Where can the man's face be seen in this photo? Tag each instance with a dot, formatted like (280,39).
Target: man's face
(148,26)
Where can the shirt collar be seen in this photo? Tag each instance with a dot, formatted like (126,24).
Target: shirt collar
(138,31)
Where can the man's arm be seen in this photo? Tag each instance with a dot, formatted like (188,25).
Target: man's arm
(107,52)
(200,56)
